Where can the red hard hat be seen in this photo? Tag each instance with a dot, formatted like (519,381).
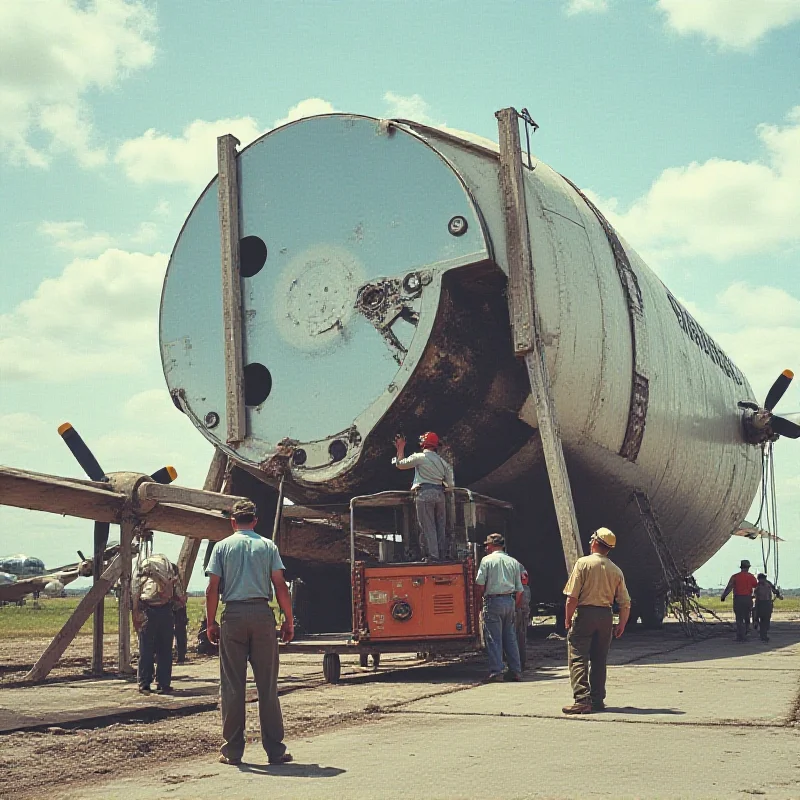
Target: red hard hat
(429,439)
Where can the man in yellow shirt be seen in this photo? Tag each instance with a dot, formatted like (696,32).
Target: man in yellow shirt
(595,584)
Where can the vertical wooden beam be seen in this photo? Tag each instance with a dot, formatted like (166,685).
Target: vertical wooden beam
(228,185)
(63,639)
(525,328)
(191,547)
(100,543)
(125,599)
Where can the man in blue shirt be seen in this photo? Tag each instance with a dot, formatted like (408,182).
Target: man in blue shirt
(243,569)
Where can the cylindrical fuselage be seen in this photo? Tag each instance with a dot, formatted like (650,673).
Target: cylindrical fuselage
(380,306)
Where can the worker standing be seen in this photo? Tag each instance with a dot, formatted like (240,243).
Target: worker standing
(742,584)
(181,618)
(523,618)
(763,612)
(155,589)
(432,475)
(499,583)
(595,584)
(244,568)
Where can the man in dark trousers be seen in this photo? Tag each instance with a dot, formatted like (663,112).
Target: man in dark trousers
(499,583)
(763,612)
(155,590)
(741,584)
(595,584)
(243,569)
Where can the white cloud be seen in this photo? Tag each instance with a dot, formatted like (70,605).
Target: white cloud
(311,107)
(720,208)
(54,52)
(411,107)
(100,316)
(737,24)
(590,6)
(190,158)
(20,431)
(74,237)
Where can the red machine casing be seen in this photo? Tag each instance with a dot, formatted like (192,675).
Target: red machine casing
(439,597)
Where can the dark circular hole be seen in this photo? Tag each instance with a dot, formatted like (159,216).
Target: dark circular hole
(337,450)
(299,457)
(257,384)
(252,255)
(211,419)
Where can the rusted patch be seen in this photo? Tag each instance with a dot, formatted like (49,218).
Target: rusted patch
(634,433)
(640,393)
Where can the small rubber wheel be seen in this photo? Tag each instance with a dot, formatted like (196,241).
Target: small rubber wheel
(331,667)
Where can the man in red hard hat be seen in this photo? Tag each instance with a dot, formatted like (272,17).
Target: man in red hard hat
(432,475)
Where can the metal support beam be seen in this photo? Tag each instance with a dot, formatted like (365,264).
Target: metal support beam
(228,185)
(63,639)
(526,330)
(191,547)
(125,600)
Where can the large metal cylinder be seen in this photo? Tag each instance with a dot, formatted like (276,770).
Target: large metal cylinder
(373,288)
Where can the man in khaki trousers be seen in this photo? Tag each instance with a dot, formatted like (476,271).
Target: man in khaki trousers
(243,569)
(595,584)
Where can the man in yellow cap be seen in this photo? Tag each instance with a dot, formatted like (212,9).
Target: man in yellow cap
(595,584)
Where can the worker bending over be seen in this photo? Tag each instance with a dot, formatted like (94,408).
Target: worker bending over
(595,584)
(763,612)
(244,568)
(432,475)
(157,592)
(741,584)
(499,583)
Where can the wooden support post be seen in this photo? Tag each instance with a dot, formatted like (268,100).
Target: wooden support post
(228,185)
(276,525)
(100,543)
(125,598)
(526,330)
(191,547)
(62,640)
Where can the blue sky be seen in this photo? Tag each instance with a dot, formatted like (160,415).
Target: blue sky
(681,117)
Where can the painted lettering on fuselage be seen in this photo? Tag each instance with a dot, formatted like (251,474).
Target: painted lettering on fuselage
(695,332)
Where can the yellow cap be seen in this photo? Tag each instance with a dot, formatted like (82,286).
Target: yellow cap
(787,373)
(172,472)
(606,536)
(64,427)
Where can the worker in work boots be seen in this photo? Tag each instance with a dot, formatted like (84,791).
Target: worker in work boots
(155,590)
(243,568)
(595,584)
(764,592)
(742,584)
(499,583)
(432,475)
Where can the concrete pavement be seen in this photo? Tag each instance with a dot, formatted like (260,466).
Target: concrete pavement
(711,719)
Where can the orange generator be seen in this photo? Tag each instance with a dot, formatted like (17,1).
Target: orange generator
(397,603)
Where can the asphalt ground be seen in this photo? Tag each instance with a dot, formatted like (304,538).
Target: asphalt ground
(705,719)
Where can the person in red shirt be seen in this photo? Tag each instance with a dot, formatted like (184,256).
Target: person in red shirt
(742,584)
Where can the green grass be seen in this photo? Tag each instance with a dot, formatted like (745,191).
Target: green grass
(18,622)
(714,604)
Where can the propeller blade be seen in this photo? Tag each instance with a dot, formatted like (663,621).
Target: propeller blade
(83,455)
(778,388)
(165,475)
(785,427)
